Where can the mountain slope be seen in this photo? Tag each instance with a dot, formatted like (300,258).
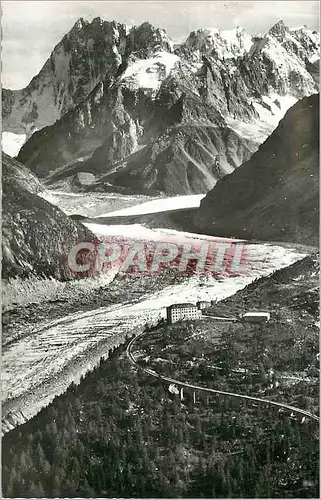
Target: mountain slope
(275,195)
(76,65)
(36,236)
(122,125)
(301,280)
(175,122)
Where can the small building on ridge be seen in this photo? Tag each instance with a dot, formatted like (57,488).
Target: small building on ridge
(203,304)
(182,312)
(256,317)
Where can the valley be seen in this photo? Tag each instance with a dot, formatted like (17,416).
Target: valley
(83,319)
(231,358)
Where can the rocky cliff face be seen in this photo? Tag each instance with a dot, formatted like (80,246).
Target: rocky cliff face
(172,122)
(275,195)
(36,236)
(83,58)
(177,142)
(74,68)
(212,42)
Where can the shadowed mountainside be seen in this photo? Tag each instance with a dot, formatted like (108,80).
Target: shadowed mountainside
(275,195)
(120,108)
(36,236)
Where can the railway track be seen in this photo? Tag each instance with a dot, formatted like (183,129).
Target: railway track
(181,383)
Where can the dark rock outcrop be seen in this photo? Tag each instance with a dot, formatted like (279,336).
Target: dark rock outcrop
(36,236)
(275,195)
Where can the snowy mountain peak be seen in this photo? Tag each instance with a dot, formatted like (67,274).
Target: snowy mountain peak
(219,43)
(146,39)
(79,24)
(306,36)
(101,66)
(299,46)
(298,28)
(237,39)
(78,62)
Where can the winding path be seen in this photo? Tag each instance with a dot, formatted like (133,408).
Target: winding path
(213,391)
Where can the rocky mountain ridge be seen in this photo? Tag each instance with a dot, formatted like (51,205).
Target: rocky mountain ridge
(77,63)
(36,236)
(174,121)
(275,195)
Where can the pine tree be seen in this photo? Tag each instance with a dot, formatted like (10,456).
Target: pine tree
(23,462)
(36,490)
(85,490)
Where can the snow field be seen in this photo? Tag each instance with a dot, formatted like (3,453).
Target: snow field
(12,143)
(149,73)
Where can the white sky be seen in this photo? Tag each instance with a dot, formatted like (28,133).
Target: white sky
(31,29)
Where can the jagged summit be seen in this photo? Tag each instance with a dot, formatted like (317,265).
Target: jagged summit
(78,62)
(220,43)
(133,112)
(279,30)
(145,39)
(84,56)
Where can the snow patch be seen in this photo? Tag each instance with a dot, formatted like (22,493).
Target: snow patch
(227,43)
(277,112)
(314,58)
(296,28)
(12,143)
(149,73)
(99,93)
(160,205)
(260,128)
